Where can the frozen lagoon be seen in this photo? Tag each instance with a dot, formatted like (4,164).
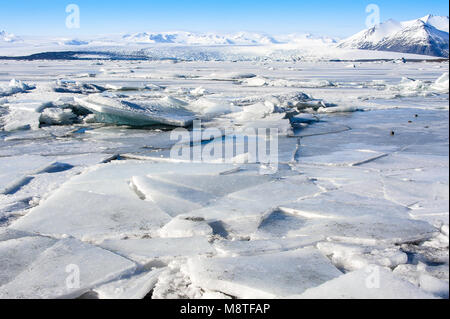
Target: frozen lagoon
(361,190)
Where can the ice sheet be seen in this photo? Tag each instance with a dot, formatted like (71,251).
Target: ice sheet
(120,112)
(265,276)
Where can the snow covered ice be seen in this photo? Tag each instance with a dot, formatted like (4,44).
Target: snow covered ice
(88,184)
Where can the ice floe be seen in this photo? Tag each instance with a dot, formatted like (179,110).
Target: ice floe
(353,257)
(265,276)
(122,112)
(53,116)
(14,87)
(89,265)
(132,287)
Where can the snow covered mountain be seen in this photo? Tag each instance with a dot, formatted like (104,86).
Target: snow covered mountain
(428,35)
(181,37)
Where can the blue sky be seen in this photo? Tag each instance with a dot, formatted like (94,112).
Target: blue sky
(327,17)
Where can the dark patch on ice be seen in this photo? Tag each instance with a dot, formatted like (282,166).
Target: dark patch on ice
(84,88)
(83,130)
(114,157)
(56,167)
(297,150)
(89,295)
(298,120)
(149,295)
(279,223)
(430,256)
(18,186)
(204,141)
(138,193)
(319,128)
(231,171)
(218,228)
(195,219)
(155,264)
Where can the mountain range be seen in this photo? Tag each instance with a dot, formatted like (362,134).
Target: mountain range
(428,35)
(181,37)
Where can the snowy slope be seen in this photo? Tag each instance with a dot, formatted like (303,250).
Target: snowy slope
(439,22)
(427,35)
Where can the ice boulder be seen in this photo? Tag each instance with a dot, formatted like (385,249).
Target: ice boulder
(23,115)
(119,111)
(57,116)
(14,87)
(68,86)
(441,84)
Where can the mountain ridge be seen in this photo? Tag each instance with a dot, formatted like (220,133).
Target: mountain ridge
(427,35)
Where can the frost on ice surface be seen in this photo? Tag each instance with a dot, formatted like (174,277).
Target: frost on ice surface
(17,253)
(68,86)
(23,115)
